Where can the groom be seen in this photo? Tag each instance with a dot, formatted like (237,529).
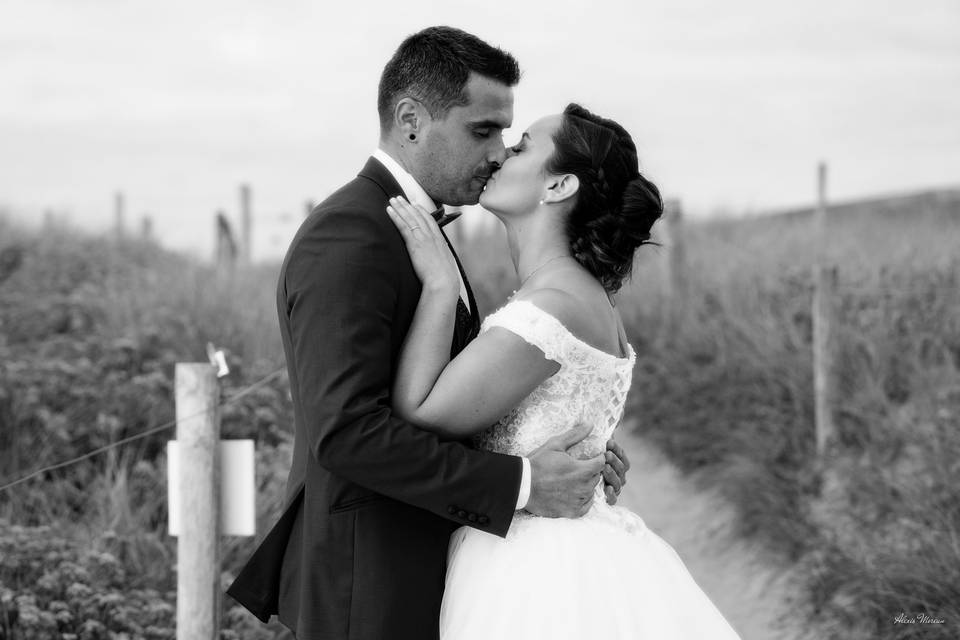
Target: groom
(360,550)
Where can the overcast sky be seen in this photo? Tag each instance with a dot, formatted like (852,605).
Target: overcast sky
(731,103)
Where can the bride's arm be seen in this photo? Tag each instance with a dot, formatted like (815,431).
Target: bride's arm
(482,384)
(491,376)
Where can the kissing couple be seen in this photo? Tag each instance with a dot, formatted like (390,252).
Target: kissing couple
(453,479)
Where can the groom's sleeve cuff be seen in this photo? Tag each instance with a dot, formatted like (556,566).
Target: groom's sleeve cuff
(524,495)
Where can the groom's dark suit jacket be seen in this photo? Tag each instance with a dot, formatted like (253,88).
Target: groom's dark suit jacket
(360,550)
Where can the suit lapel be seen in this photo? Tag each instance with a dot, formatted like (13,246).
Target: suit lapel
(468,322)
(375,172)
(474,312)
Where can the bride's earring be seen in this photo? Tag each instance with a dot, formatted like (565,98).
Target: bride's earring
(541,202)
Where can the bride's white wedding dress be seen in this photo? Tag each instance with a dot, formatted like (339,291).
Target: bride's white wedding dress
(605,575)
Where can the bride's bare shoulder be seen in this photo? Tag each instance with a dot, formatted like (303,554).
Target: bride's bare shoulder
(568,308)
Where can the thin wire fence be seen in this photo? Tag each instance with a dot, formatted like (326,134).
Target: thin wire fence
(144,434)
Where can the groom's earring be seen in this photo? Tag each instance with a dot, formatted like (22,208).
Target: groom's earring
(413,136)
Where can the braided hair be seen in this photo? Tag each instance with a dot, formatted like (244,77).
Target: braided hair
(615,205)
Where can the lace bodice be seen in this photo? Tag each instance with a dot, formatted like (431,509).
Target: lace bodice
(590,387)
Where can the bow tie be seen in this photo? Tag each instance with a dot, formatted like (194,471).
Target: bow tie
(444,218)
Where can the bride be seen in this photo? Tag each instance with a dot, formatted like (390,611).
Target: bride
(575,209)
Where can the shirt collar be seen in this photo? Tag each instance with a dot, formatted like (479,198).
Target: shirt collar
(411,188)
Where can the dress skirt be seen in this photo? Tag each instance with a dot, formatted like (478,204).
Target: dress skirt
(603,576)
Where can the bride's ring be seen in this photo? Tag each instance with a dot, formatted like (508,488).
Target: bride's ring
(412,229)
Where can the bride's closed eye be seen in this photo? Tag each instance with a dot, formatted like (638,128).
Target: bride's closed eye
(517,148)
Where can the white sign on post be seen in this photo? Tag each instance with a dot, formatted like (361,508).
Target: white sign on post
(238,514)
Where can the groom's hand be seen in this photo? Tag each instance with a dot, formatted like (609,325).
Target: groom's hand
(561,485)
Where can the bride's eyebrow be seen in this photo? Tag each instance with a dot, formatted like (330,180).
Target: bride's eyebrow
(518,142)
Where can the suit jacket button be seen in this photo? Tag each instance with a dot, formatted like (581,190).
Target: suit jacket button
(472,517)
(484,520)
(451,509)
(461,513)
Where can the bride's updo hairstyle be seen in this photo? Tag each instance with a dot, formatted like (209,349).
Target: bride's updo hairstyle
(615,206)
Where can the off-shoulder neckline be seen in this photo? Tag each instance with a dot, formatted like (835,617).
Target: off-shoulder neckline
(629,357)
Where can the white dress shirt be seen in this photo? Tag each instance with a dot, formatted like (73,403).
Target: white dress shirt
(415,194)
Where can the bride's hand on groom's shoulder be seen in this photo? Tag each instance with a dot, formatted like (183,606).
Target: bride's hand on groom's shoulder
(561,485)
(429,252)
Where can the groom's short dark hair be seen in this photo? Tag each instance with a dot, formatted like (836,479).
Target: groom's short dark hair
(434,66)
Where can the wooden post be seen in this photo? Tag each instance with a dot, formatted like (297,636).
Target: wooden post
(219,221)
(246,222)
(677,263)
(198,545)
(146,229)
(824,288)
(119,207)
(226,247)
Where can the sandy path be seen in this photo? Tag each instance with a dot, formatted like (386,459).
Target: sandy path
(746,584)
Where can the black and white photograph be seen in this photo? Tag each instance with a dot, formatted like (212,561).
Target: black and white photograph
(466,321)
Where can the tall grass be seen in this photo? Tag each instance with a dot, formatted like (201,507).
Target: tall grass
(90,331)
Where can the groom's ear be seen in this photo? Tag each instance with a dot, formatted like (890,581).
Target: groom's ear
(409,117)
(560,188)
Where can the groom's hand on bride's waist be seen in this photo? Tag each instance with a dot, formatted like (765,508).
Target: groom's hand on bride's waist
(561,485)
